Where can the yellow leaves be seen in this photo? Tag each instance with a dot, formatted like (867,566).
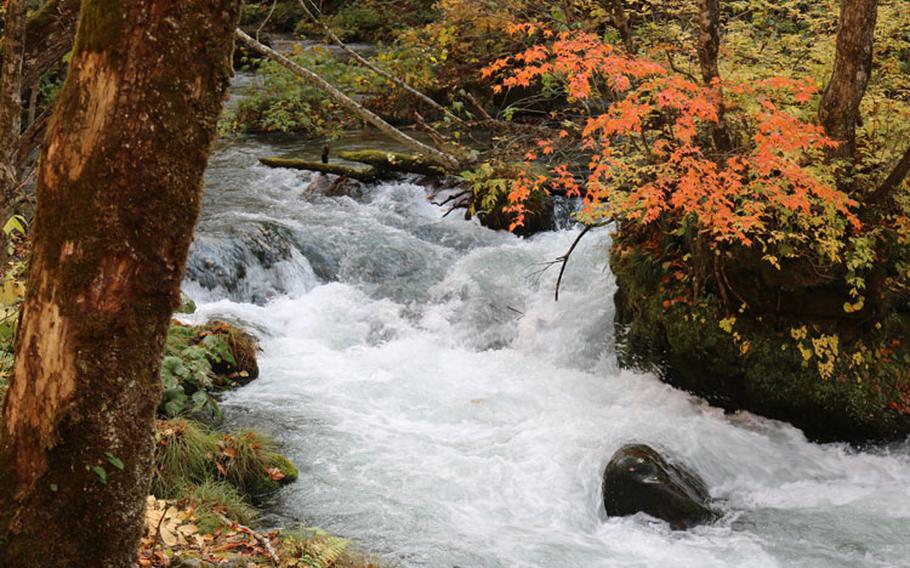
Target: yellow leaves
(826,350)
(727,324)
(853,307)
(12,291)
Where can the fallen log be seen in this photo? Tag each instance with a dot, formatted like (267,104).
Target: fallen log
(360,174)
(397,162)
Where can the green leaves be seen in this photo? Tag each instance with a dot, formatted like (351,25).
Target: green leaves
(198,360)
(101,473)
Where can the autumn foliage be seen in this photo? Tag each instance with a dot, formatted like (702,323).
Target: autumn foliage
(650,155)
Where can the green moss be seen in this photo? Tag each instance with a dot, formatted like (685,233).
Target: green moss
(764,365)
(100,25)
(393,161)
(187,305)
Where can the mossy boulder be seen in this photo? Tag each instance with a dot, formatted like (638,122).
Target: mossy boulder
(639,480)
(200,361)
(835,379)
(187,305)
(538,217)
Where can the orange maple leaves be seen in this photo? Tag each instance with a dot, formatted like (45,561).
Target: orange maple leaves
(650,149)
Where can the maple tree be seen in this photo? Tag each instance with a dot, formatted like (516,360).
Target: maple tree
(651,158)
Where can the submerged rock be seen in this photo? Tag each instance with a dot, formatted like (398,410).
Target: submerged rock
(640,480)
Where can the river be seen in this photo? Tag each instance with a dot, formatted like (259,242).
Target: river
(445,411)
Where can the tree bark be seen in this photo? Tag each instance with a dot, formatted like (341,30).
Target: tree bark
(119,187)
(49,36)
(839,108)
(11,95)
(623,25)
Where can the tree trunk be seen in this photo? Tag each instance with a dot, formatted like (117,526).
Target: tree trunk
(623,25)
(708,51)
(839,108)
(119,190)
(11,95)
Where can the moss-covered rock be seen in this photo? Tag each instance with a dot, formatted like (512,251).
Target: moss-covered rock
(538,217)
(200,361)
(187,305)
(833,379)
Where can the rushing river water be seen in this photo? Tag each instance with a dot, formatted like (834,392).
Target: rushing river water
(445,411)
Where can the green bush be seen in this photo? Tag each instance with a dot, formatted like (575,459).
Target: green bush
(282,102)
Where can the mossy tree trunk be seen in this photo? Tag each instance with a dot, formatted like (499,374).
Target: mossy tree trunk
(119,188)
(839,108)
(13,50)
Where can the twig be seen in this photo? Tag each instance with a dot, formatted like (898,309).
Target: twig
(262,540)
(266,20)
(565,258)
(449,199)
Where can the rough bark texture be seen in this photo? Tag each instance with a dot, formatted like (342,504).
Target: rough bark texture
(11,94)
(839,108)
(119,189)
(49,36)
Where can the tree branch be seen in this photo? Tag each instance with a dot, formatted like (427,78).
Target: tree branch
(892,182)
(375,68)
(441,158)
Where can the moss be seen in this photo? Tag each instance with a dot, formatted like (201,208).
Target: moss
(756,364)
(393,162)
(362,174)
(100,26)
(187,305)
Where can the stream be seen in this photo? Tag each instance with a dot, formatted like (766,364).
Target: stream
(445,411)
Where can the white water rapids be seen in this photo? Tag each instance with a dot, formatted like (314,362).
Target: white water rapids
(445,411)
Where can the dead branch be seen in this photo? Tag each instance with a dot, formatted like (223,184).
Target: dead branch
(443,159)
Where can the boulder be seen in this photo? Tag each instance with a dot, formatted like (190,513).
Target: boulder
(640,480)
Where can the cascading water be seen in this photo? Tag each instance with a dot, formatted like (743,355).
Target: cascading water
(445,411)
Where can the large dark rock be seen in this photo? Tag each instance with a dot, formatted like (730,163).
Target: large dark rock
(639,480)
